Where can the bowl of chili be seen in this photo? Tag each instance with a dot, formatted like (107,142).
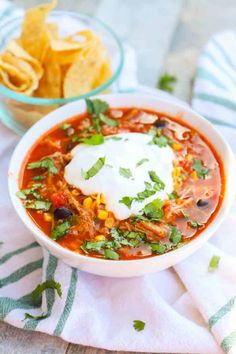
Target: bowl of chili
(122,185)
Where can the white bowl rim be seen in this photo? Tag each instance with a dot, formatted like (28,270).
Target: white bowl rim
(187,249)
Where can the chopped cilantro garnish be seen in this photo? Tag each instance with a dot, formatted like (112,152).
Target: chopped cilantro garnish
(173,195)
(138,325)
(193,223)
(159,185)
(110,254)
(97,109)
(144,194)
(158,247)
(38,205)
(24,193)
(201,171)
(214,263)
(117,138)
(139,163)
(166,82)
(65,126)
(94,169)
(28,316)
(60,230)
(39,178)
(108,121)
(47,163)
(127,201)
(153,211)
(94,246)
(48,284)
(175,235)
(125,172)
(95,139)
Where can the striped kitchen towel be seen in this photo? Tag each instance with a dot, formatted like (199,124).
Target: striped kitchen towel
(186,309)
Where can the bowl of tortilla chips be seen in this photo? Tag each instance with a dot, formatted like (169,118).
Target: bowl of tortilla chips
(49,58)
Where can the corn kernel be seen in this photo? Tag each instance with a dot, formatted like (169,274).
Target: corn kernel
(94,196)
(194,175)
(87,203)
(75,192)
(176,146)
(188,157)
(100,238)
(47,217)
(109,223)
(102,199)
(102,214)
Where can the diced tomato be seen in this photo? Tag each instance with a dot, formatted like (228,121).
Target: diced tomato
(59,199)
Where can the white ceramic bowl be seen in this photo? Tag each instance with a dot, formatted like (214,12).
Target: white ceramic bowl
(132,267)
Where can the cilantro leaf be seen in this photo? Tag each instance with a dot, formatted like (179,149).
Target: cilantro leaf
(94,169)
(108,121)
(39,178)
(125,172)
(201,171)
(153,211)
(193,223)
(24,193)
(214,263)
(139,163)
(94,246)
(159,185)
(48,284)
(38,205)
(138,325)
(110,254)
(127,201)
(173,195)
(96,106)
(175,235)
(65,126)
(60,230)
(158,247)
(35,317)
(95,139)
(166,82)
(47,163)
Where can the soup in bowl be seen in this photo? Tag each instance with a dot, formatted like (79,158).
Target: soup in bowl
(122,185)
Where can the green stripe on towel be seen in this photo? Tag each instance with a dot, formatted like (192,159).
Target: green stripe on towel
(216,99)
(224,55)
(68,304)
(50,294)
(207,75)
(21,273)
(9,255)
(219,66)
(222,312)
(229,342)
(8,304)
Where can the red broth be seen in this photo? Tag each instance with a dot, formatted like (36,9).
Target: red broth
(65,214)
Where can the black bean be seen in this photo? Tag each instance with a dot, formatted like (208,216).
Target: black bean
(202,203)
(62,213)
(69,146)
(160,124)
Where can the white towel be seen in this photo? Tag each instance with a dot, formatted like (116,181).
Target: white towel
(186,308)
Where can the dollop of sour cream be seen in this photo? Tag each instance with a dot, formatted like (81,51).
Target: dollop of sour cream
(128,160)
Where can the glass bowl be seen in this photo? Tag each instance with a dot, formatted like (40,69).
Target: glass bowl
(18,111)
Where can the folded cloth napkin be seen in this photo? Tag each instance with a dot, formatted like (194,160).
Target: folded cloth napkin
(186,308)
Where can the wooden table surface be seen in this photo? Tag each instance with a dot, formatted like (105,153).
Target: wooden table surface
(168,37)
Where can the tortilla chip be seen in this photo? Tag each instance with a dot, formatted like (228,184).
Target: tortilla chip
(33,36)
